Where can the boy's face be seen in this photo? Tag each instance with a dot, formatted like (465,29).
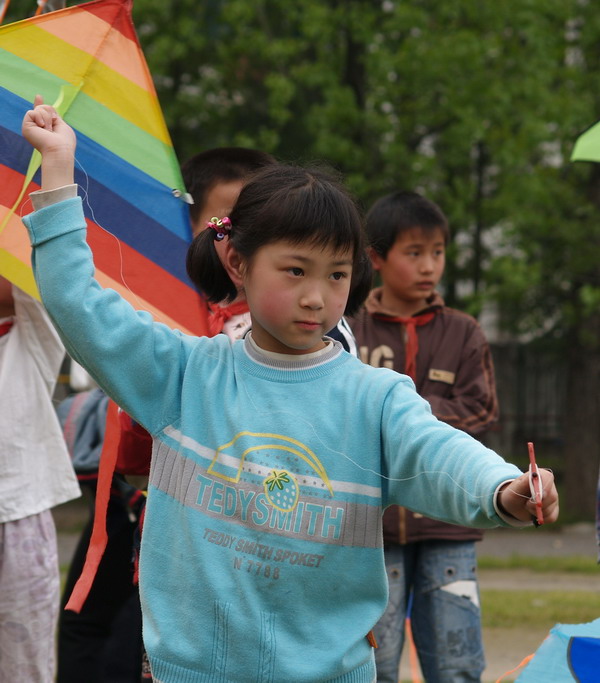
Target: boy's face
(219,201)
(411,270)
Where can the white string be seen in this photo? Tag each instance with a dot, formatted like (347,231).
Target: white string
(436,473)
(85,198)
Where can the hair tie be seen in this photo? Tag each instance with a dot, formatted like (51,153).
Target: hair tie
(222,226)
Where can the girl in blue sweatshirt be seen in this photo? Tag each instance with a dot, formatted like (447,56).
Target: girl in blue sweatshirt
(273,456)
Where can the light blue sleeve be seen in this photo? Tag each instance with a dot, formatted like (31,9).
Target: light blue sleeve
(138,363)
(435,469)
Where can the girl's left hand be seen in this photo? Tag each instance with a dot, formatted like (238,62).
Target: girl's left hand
(515,498)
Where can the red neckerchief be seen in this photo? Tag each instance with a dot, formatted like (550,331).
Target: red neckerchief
(219,315)
(5,327)
(412,339)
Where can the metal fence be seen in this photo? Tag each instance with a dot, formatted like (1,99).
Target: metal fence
(531,385)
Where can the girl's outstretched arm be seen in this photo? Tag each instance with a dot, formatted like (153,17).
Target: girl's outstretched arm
(55,140)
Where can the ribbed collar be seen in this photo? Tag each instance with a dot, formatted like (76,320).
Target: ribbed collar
(281,367)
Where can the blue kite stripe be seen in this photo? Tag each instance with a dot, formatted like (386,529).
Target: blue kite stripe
(138,230)
(114,213)
(144,192)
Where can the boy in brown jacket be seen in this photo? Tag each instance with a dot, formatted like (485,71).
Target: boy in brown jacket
(405,326)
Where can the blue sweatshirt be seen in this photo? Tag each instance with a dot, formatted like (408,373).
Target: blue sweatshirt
(262,551)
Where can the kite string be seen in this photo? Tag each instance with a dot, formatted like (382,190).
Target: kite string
(437,473)
(85,193)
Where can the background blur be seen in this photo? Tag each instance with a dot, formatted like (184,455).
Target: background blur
(475,104)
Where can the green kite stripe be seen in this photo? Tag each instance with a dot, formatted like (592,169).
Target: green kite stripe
(91,118)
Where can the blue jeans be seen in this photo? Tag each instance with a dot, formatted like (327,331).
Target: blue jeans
(445,613)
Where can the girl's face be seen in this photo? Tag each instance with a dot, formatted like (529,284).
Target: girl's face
(296,294)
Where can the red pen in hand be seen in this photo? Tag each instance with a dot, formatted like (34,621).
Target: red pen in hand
(535,484)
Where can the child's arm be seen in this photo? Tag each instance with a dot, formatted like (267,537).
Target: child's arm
(38,337)
(56,142)
(444,473)
(137,362)
(514,498)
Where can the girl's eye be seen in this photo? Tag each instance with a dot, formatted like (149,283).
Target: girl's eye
(339,275)
(296,271)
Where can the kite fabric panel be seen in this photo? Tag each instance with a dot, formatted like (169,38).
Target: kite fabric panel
(587,145)
(87,62)
(570,653)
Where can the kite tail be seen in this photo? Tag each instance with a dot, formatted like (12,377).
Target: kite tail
(519,666)
(99,539)
(412,650)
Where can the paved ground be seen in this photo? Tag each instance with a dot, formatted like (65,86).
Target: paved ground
(505,648)
(576,539)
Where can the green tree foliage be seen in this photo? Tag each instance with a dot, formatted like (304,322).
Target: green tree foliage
(477,104)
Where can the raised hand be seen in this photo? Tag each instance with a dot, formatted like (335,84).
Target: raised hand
(45,130)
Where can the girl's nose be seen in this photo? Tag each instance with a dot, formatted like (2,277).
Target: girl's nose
(312,298)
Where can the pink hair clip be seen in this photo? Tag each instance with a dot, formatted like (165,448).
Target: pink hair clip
(222,226)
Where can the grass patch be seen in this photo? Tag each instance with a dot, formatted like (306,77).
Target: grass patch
(576,564)
(64,570)
(537,609)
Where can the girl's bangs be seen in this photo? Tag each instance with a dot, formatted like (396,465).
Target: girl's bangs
(323,216)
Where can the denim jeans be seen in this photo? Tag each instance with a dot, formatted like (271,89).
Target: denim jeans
(445,613)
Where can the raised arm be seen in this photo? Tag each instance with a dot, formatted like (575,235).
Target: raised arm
(138,362)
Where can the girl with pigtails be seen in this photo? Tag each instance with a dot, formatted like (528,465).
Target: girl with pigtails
(273,456)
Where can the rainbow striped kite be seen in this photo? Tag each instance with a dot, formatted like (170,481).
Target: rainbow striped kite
(87,61)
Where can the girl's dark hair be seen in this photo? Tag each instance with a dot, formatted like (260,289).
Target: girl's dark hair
(401,212)
(282,202)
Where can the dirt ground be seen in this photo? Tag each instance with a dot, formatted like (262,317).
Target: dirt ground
(504,648)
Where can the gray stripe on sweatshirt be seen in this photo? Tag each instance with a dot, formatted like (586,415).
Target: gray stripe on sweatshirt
(321,519)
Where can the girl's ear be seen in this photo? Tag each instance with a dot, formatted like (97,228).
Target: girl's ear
(233,264)
(376,259)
